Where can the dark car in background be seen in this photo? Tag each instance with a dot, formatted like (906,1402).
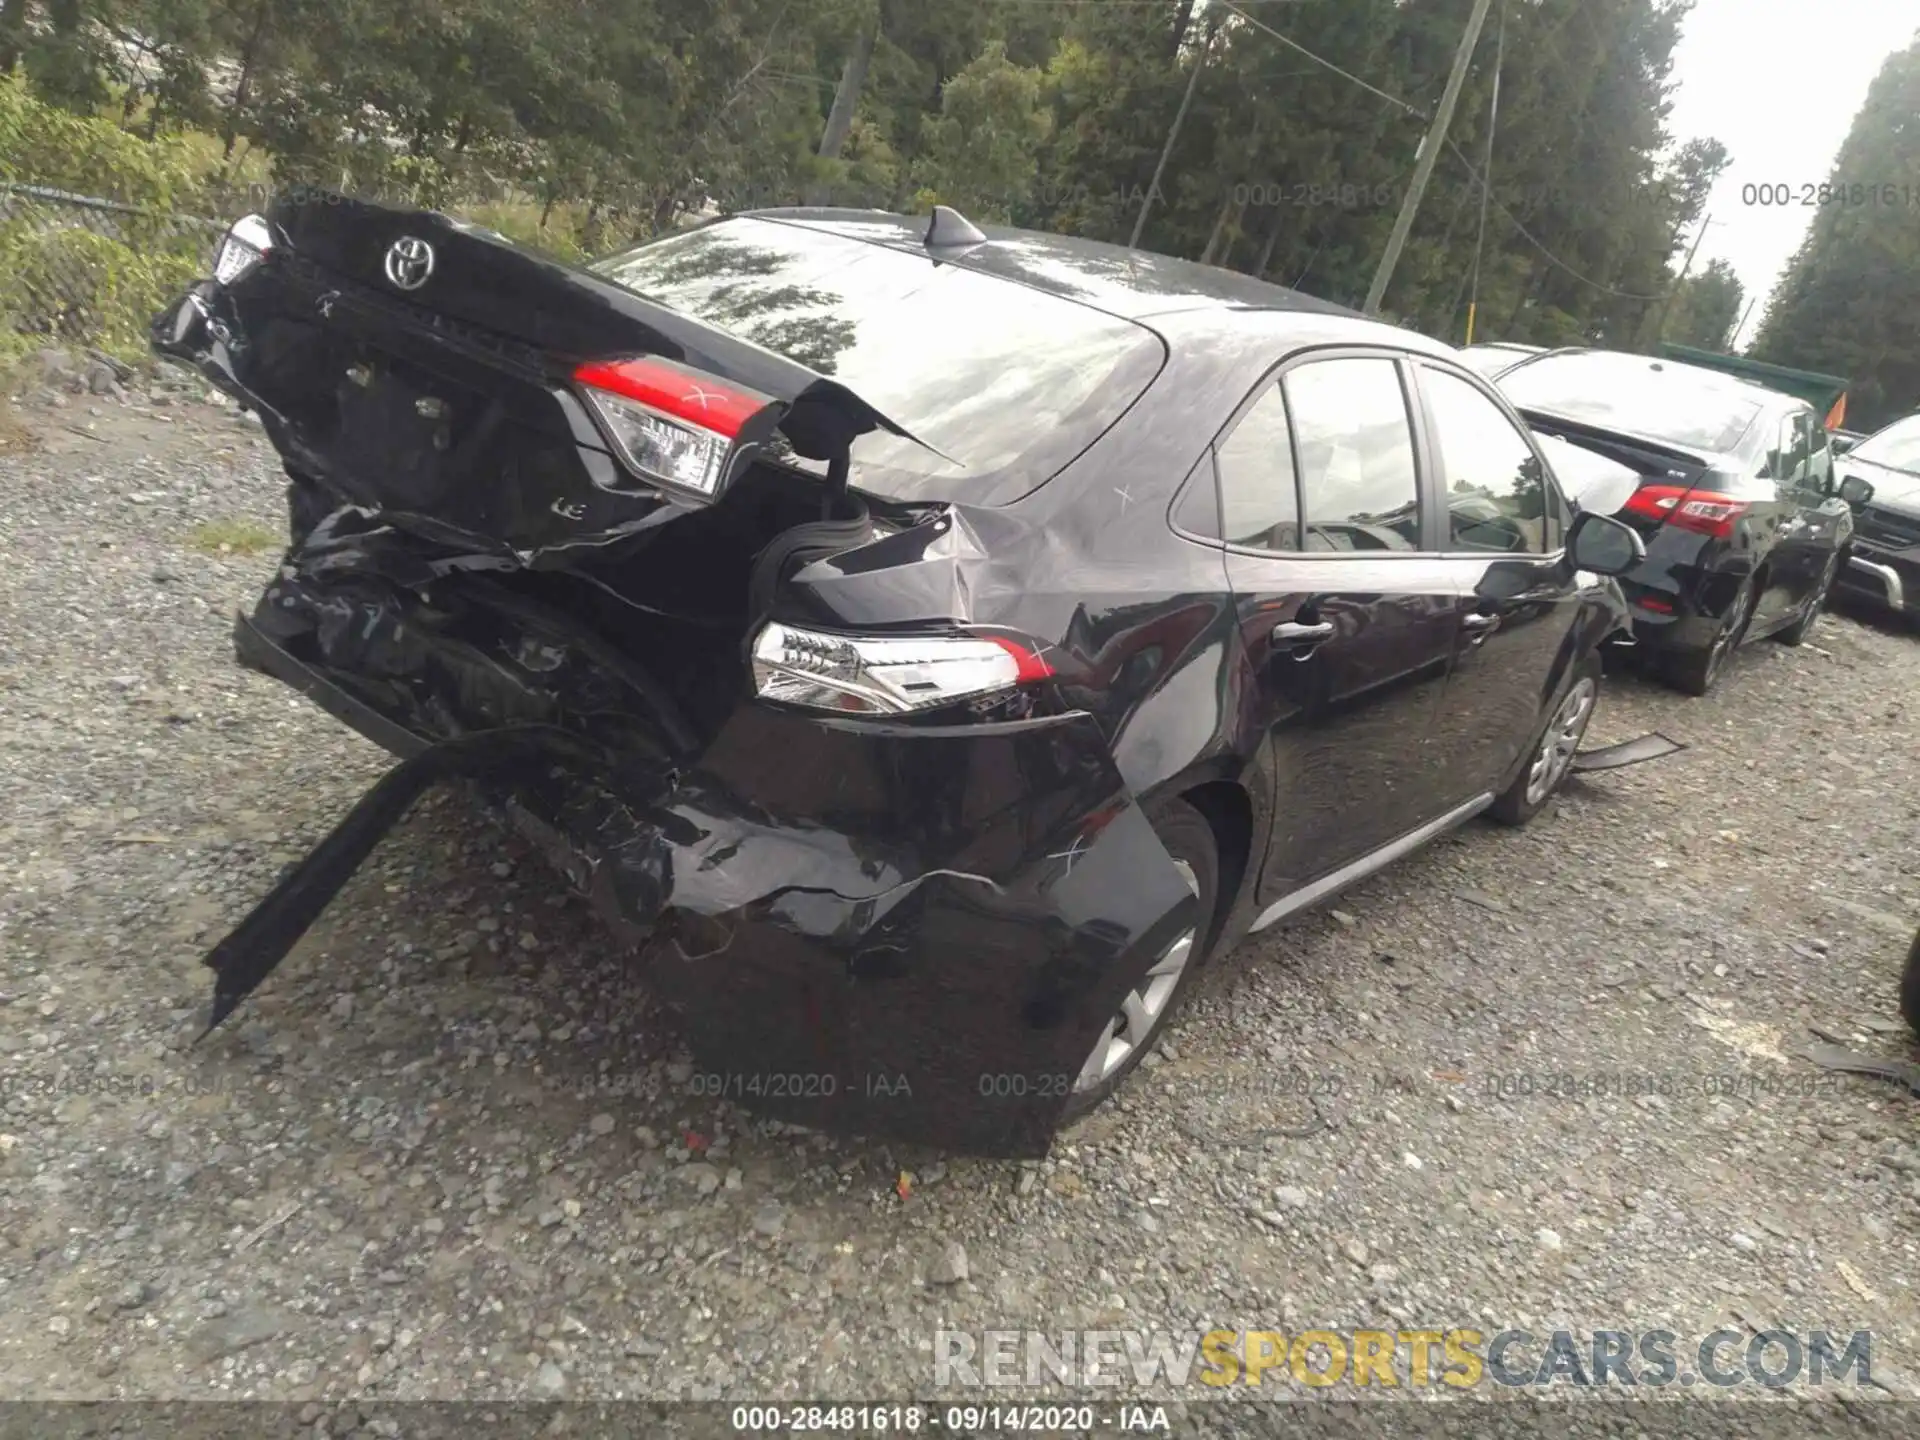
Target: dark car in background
(1737,499)
(928,644)
(1884,564)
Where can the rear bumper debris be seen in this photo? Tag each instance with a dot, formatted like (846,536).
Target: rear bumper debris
(1628,752)
(896,930)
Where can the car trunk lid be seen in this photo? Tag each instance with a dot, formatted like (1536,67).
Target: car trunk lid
(1670,479)
(457,385)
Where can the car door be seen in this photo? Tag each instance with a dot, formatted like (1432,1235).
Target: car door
(1346,619)
(1806,540)
(1771,505)
(1506,525)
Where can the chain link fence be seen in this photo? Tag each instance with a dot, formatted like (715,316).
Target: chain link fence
(81,272)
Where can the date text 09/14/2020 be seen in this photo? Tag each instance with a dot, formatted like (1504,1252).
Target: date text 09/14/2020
(871,1085)
(882,1419)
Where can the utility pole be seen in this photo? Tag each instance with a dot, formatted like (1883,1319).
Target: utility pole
(1486,175)
(1666,306)
(1179,119)
(1428,157)
(1741,329)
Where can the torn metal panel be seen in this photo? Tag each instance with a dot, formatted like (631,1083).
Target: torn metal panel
(951,916)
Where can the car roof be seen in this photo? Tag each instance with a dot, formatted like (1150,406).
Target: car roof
(1137,285)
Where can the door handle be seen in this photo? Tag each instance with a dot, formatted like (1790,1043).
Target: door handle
(1292,633)
(1481,622)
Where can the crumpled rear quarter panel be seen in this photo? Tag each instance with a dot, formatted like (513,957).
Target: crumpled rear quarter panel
(906,932)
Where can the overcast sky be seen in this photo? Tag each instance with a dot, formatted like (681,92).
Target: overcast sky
(1778,82)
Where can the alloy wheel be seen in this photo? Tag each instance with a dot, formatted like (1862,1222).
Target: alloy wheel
(1562,740)
(1145,1006)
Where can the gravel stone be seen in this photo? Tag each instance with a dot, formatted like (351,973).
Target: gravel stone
(950,1265)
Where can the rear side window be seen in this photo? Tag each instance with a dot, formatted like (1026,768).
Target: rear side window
(1008,382)
(1359,481)
(1259,499)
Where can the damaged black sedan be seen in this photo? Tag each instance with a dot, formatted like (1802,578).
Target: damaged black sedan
(926,645)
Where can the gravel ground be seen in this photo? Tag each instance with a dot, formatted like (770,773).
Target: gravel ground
(444,1152)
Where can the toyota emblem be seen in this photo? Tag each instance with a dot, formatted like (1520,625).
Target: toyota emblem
(409,262)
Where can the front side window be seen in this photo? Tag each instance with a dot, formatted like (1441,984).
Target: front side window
(1359,481)
(1498,494)
(1819,470)
(1791,456)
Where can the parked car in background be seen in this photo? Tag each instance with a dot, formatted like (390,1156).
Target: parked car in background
(931,723)
(1884,564)
(1737,499)
(1491,359)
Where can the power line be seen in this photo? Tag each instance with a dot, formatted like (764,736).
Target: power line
(1416,111)
(1320,59)
(1531,240)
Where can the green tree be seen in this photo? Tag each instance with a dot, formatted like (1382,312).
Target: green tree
(1707,308)
(980,152)
(1847,300)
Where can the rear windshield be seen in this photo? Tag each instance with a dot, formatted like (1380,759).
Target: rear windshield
(1009,383)
(1656,400)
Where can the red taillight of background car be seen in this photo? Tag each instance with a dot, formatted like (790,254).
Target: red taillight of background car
(669,422)
(1706,512)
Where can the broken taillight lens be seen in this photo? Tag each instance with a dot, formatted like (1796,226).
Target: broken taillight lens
(667,422)
(892,675)
(1706,512)
(241,248)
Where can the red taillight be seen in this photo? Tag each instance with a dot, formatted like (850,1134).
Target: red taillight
(890,674)
(1030,664)
(674,424)
(677,391)
(1706,512)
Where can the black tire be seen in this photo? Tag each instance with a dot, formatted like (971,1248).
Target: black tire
(1190,840)
(1520,802)
(1910,987)
(1696,672)
(1799,630)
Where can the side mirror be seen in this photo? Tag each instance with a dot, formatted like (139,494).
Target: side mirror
(1838,443)
(1605,545)
(1855,491)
